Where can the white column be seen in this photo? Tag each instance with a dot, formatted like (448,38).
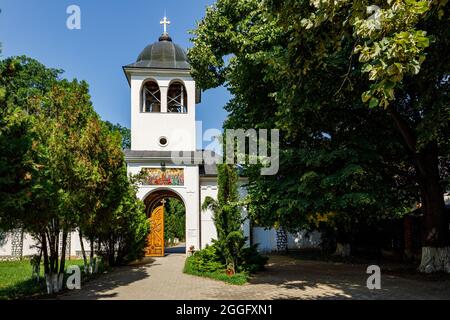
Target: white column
(192,203)
(164,91)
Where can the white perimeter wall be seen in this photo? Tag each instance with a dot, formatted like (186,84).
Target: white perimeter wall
(209,188)
(267,239)
(208,230)
(29,243)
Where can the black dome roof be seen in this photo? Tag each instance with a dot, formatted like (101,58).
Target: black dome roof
(163,54)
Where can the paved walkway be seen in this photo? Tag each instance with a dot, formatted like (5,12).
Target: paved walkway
(285,278)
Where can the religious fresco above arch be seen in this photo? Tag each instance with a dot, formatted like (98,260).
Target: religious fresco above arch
(163,177)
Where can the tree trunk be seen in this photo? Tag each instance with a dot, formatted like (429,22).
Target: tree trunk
(435,259)
(83,252)
(48,265)
(45,252)
(91,257)
(51,262)
(36,260)
(435,247)
(54,279)
(98,259)
(63,252)
(62,264)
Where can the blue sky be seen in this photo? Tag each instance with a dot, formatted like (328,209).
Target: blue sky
(112,34)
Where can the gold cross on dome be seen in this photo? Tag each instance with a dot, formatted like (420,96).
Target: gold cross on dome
(165,22)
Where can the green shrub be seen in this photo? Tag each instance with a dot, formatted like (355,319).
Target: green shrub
(207,260)
(216,270)
(210,263)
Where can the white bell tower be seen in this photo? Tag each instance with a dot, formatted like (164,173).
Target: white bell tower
(163,137)
(163,98)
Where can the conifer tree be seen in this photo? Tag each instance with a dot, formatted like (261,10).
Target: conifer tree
(227,217)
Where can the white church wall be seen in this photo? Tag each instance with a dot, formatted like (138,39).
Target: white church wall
(192,205)
(29,246)
(147,128)
(208,230)
(5,247)
(267,239)
(246,225)
(75,245)
(209,188)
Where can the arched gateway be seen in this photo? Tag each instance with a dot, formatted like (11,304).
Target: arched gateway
(154,207)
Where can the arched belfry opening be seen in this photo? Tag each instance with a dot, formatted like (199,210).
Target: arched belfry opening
(177,98)
(151,97)
(166,212)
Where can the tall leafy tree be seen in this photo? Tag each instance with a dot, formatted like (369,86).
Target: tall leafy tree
(400,49)
(327,151)
(318,71)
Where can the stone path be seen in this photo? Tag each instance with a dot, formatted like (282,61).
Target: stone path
(285,278)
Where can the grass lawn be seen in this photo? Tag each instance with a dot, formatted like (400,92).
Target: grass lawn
(16,282)
(236,279)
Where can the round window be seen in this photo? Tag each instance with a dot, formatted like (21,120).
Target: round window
(163,141)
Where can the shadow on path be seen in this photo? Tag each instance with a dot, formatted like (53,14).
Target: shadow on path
(326,280)
(119,277)
(178,249)
(285,278)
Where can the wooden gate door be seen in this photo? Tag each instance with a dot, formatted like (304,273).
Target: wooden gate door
(155,241)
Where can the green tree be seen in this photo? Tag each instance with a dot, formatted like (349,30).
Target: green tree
(125,239)
(329,161)
(314,67)
(402,55)
(37,196)
(51,113)
(103,154)
(174,220)
(63,119)
(20,78)
(110,198)
(63,167)
(124,132)
(227,217)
